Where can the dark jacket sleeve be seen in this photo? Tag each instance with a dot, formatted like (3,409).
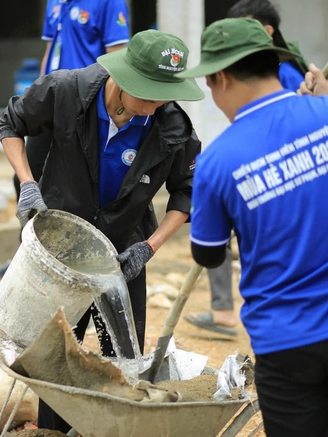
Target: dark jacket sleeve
(180,181)
(32,113)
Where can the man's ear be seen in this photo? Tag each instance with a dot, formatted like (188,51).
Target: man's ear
(221,80)
(224,79)
(269,29)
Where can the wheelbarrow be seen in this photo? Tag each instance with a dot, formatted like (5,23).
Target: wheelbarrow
(96,414)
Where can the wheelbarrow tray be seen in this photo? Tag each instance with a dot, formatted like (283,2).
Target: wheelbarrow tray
(96,414)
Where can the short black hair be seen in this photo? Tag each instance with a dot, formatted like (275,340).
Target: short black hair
(259,65)
(262,10)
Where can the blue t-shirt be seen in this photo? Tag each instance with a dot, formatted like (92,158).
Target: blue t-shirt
(266,177)
(117,149)
(80,31)
(290,78)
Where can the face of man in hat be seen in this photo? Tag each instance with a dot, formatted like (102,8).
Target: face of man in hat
(134,106)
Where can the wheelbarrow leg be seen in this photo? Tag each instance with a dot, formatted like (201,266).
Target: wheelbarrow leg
(240,421)
(4,406)
(14,410)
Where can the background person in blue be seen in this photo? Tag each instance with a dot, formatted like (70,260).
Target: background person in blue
(117,137)
(266,177)
(78,31)
(291,72)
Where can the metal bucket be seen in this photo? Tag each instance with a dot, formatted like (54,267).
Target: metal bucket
(42,275)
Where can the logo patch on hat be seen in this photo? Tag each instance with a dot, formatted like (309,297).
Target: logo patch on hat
(175,58)
(128,156)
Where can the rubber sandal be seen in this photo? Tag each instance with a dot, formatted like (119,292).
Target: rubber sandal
(205,321)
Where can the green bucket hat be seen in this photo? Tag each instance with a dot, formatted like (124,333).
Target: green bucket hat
(146,68)
(225,42)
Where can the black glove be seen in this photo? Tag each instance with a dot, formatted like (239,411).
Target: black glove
(134,258)
(30,200)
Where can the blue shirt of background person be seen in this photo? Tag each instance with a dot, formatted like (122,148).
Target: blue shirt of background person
(266,183)
(81,30)
(117,149)
(290,78)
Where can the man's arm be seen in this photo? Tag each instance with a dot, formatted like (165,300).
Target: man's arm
(113,48)
(45,58)
(171,222)
(209,257)
(30,198)
(14,148)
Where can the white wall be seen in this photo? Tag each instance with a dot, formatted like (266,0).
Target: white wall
(185,18)
(178,17)
(306,21)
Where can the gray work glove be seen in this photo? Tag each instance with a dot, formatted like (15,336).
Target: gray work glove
(134,258)
(30,201)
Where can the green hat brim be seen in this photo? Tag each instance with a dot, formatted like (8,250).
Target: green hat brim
(137,85)
(212,66)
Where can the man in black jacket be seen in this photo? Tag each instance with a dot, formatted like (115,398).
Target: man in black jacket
(117,137)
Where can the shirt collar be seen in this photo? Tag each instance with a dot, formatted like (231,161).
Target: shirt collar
(263,101)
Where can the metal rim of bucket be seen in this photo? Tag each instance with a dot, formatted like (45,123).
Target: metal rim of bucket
(46,260)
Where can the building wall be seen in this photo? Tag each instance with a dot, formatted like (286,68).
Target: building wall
(306,22)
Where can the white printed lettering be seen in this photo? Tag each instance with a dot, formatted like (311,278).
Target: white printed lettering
(272,177)
(297,164)
(317,135)
(321,153)
(251,187)
(287,149)
(258,163)
(301,142)
(274,156)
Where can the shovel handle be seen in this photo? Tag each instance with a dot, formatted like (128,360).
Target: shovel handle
(179,303)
